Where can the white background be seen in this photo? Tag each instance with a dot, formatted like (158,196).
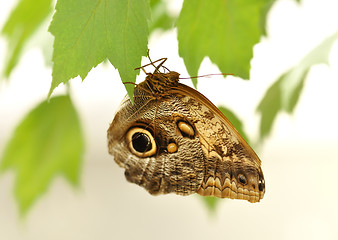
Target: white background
(299,160)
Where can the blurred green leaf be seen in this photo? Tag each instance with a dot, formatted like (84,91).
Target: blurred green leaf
(47,143)
(265,11)
(235,121)
(27,16)
(269,107)
(160,17)
(283,95)
(225,31)
(88,32)
(211,203)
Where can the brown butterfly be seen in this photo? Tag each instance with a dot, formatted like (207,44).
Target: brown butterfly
(173,139)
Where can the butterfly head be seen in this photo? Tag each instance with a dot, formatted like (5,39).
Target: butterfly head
(160,82)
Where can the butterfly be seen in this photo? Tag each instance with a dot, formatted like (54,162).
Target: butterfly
(172,139)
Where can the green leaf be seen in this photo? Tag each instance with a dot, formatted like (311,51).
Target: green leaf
(89,31)
(27,16)
(47,143)
(265,11)
(161,19)
(283,95)
(269,107)
(211,203)
(225,31)
(235,121)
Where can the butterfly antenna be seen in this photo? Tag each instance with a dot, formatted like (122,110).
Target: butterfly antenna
(165,68)
(208,75)
(152,63)
(161,64)
(130,83)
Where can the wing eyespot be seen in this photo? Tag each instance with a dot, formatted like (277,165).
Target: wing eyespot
(242,179)
(141,142)
(172,147)
(186,129)
(261,185)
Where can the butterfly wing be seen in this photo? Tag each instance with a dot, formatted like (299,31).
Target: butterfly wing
(166,169)
(231,168)
(180,142)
